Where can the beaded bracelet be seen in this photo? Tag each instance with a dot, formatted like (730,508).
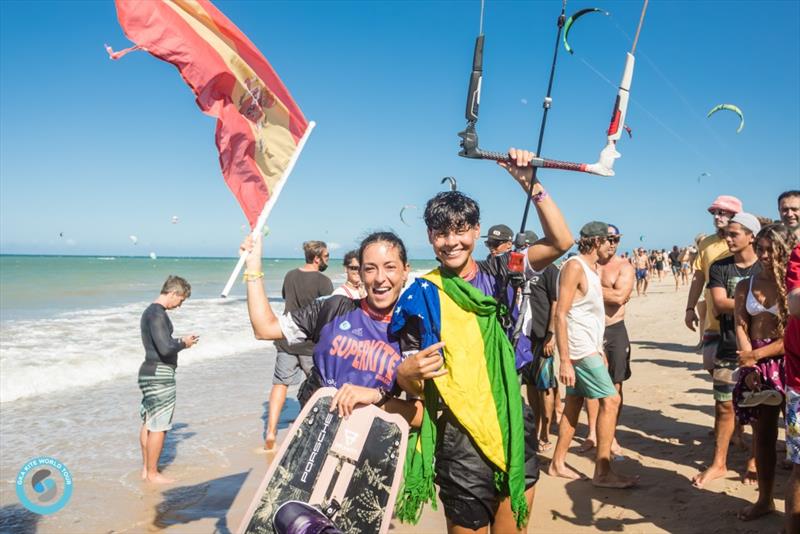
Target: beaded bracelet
(251,277)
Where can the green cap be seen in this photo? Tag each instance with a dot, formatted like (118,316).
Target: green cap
(595,229)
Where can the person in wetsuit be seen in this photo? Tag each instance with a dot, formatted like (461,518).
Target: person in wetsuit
(157,373)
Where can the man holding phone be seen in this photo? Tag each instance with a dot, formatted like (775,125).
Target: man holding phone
(157,373)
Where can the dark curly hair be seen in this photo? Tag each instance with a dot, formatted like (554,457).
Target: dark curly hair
(451,210)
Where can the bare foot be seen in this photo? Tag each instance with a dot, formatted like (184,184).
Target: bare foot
(587,445)
(144,473)
(269,443)
(545,445)
(712,473)
(756,510)
(614,480)
(750,476)
(158,478)
(564,472)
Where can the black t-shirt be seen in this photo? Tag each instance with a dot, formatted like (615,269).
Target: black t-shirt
(301,288)
(725,273)
(544,288)
(675,258)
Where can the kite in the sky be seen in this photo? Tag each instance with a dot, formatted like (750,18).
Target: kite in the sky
(402,211)
(628,129)
(703,175)
(175,219)
(574,17)
(133,239)
(453,183)
(729,107)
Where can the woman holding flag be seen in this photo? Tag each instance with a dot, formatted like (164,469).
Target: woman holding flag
(354,351)
(484,442)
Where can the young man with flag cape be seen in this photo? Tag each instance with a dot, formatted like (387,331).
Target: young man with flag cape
(484,440)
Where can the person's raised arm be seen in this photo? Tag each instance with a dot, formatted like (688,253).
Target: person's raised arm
(567,287)
(264,321)
(557,237)
(620,294)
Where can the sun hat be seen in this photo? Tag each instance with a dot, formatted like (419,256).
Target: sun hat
(726,203)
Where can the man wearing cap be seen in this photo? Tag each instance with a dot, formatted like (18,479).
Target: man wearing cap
(539,376)
(710,249)
(580,322)
(723,277)
(499,240)
(617,278)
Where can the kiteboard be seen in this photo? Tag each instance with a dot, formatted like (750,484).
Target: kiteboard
(350,468)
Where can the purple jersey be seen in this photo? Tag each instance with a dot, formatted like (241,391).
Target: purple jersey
(352,343)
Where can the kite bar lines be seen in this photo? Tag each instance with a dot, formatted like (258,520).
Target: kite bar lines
(470,147)
(617,124)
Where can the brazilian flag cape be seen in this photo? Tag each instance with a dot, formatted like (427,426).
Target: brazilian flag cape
(480,388)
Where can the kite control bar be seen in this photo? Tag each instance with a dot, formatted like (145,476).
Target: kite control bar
(469,137)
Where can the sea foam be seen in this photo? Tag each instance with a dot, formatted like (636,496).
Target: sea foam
(78,349)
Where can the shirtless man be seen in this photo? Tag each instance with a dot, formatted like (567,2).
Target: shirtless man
(642,266)
(617,279)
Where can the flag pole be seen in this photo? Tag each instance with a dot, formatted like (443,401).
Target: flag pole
(262,219)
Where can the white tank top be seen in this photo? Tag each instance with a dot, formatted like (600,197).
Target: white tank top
(586,320)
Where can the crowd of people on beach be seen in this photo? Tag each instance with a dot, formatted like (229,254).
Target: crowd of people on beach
(544,327)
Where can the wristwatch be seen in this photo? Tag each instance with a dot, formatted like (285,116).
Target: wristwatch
(384,397)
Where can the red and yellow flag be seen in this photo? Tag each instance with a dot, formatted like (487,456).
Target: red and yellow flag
(259,126)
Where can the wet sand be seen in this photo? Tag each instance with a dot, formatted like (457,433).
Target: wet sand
(212,451)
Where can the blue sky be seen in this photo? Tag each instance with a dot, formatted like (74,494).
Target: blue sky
(99,150)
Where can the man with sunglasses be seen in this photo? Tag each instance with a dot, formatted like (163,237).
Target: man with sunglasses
(499,240)
(617,278)
(710,249)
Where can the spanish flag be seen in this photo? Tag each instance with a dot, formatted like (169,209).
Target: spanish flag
(259,126)
(480,388)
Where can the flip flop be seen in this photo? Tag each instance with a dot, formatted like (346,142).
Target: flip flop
(768,397)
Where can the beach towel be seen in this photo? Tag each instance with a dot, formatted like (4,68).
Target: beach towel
(481,388)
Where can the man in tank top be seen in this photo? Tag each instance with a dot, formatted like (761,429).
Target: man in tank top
(580,324)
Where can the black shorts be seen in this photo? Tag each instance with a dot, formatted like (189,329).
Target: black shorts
(466,478)
(618,351)
(527,372)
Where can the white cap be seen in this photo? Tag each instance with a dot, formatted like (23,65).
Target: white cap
(748,220)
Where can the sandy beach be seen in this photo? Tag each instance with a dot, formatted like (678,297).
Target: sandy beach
(213,450)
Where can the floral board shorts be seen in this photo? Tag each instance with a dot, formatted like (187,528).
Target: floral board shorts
(793,425)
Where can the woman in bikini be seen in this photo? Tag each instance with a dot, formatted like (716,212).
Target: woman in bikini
(760,315)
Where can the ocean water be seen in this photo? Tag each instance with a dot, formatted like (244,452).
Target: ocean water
(71,322)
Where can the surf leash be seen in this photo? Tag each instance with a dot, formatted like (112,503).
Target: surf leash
(470,147)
